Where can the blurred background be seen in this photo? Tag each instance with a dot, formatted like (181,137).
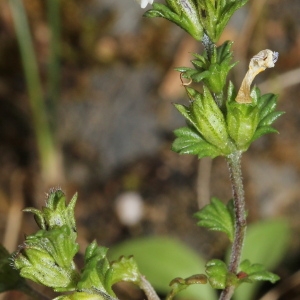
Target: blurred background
(86,93)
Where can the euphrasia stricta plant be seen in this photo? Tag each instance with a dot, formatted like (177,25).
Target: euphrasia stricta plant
(47,258)
(222,120)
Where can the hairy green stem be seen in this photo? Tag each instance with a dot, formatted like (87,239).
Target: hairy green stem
(208,45)
(234,165)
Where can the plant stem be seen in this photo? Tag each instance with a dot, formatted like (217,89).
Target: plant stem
(208,45)
(148,289)
(234,165)
(49,160)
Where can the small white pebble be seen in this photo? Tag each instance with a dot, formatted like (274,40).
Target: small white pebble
(129,208)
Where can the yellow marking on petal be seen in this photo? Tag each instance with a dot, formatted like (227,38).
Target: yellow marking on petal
(258,63)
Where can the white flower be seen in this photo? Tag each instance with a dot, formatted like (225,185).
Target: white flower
(144,3)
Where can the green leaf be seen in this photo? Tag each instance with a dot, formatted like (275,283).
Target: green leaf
(207,119)
(161,259)
(39,267)
(270,118)
(60,243)
(217,216)
(216,14)
(210,121)
(95,267)
(242,122)
(98,275)
(226,13)
(199,76)
(217,273)
(266,243)
(179,284)
(56,213)
(262,131)
(124,269)
(184,110)
(182,69)
(212,71)
(183,14)
(189,141)
(266,104)
(231,93)
(256,272)
(161,10)
(47,258)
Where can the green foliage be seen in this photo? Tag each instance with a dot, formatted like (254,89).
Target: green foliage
(182,13)
(179,284)
(38,265)
(100,274)
(246,123)
(215,15)
(46,257)
(211,69)
(95,267)
(124,269)
(189,141)
(218,274)
(216,127)
(56,213)
(268,235)
(242,122)
(256,272)
(219,277)
(217,216)
(213,131)
(206,117)
(266,243)
(161,259)
(198,16)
